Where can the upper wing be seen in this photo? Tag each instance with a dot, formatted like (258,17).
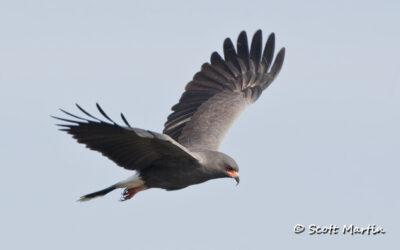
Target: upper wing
(131,148)
(222,90)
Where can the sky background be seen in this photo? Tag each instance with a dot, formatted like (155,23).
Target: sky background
(321,146)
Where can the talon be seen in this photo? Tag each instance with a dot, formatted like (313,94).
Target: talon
(129,193)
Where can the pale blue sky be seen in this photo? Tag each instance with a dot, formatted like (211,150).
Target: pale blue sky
(321,146)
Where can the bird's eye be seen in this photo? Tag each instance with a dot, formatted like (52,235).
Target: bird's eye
(229,168)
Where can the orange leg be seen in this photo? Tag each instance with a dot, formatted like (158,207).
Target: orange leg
(129,193)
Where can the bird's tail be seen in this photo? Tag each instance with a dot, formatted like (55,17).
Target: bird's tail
(133,185)
(98,193)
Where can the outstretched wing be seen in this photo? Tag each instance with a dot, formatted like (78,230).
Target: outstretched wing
(222,90)
(131,148)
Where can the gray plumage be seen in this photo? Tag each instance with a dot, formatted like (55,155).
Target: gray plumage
(186,153)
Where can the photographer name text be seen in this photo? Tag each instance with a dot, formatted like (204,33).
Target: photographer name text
(331,229)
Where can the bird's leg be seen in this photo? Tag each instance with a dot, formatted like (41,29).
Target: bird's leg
(130,192)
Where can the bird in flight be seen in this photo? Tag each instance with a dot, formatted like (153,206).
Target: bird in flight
(186,153)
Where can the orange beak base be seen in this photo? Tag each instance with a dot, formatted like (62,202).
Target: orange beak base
(232,173)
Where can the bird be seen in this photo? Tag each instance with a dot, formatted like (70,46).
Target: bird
(186,152)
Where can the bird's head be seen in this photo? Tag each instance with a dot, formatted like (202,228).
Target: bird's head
(219,165)
(229,167)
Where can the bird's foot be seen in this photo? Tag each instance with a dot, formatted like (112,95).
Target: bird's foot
(130,192)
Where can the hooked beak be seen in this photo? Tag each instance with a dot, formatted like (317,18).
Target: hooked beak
(235,175)
(237,179)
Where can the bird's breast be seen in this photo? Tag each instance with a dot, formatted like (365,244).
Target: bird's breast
(173,177)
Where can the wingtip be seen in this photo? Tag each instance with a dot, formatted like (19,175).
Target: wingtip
(282,51)
(271,36)
(103,113)
(256,46)
(99,108)
(242,33)
(279,59)
(258,33)
(125,120)
(216,58)
(228,42)
(242,46)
